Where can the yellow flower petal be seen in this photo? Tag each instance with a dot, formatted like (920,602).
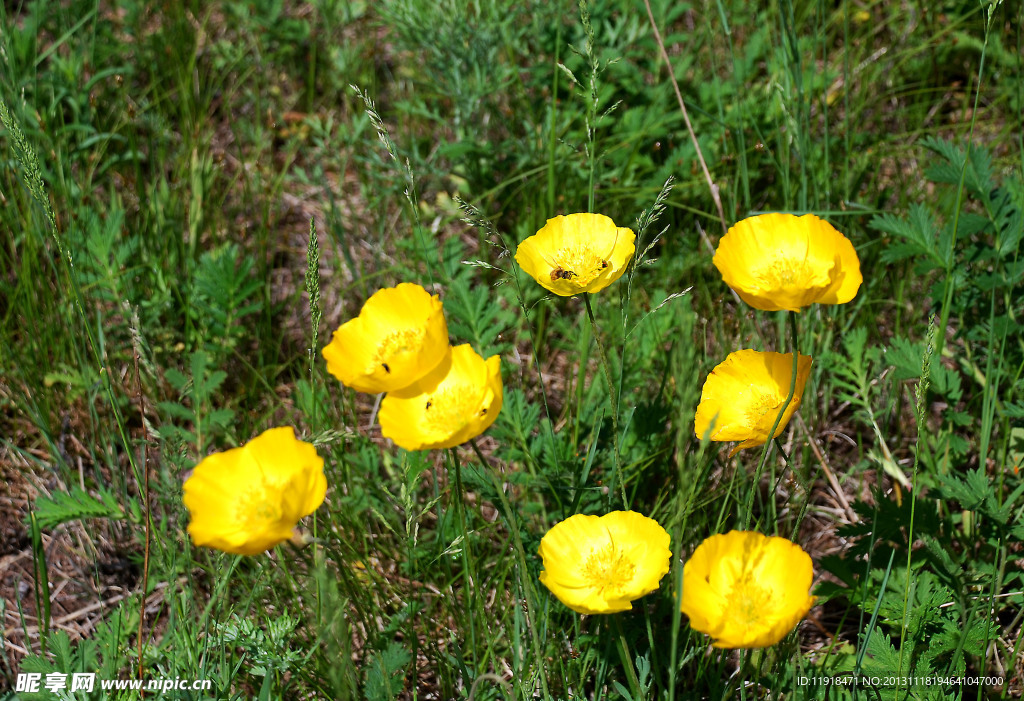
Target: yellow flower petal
(456,401)
(249,499)
(601,564)
(781,261)
(399,336)
(577,253)
(743,394)
(745,589)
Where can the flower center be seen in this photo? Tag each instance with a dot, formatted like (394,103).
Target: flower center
(784,272)
(396,342)
(763,403)
(747,603)
(450,408)
(254,510)
(578,263)
(608,569)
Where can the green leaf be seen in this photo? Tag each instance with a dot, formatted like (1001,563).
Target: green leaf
(977,174)
(915,238)
(905,356)
(385,677)
(1008,204)
(178,380)
(882,657)
(61,507)
(970,492)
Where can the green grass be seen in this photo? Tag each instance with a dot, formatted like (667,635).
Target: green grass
(154,307)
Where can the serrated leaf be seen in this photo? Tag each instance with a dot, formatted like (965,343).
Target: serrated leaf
(177,379)
(883,657)
(176,410)
(975,170)
(946,382)
(975,636)
(916,237)
(1008,203)
(385,678)
(905,357)
(61,507)
(220,417)
(941,557)
(970,492)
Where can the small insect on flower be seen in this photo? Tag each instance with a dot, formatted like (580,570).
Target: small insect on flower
(399,336)
(577,253)
(456,401)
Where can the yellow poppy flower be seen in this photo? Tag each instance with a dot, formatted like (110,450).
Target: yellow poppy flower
(399,336)
(743,395)
(745,589)
(782,261)
(600,564)
(249,499)
(454,402)
(577,253)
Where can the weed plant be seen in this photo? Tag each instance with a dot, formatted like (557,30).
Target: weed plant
(195,196)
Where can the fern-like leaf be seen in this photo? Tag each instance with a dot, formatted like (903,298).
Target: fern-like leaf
(61,507)
(385,676)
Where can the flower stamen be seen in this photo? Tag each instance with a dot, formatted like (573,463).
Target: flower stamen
(784,272)
(577,262)
(450,408)
(398,341)
(255,510)
(747,603)
(608,570)
(760,405)
(577,253)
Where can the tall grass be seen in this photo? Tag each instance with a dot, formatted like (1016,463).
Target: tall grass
(195,198)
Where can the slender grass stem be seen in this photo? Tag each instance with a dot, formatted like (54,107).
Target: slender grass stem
(581,380)
(614,396)
(627,659)
(470,578)
(313,290)
(517,542)
(676,624)
(686,119)
(782,452)
(961,195)
(778,419)
(147,511)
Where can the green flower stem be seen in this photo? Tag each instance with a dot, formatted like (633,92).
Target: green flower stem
(627,660)
(744,672)
(782,452)
(510,517)
(613,393)
(313,290)
(581,380)
(469,576)
(778,419)
(222,583)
